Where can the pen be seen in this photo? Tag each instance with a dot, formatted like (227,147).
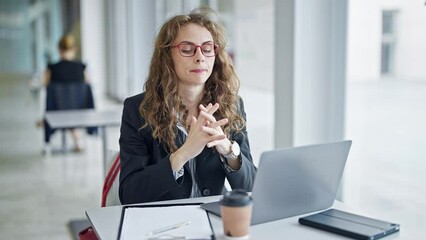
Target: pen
(168,228)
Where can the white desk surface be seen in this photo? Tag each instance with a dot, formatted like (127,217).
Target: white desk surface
(106,222)
(83,118)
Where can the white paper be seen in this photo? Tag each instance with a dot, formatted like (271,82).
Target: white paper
(138,222)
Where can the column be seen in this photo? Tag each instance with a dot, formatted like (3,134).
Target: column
(310,68)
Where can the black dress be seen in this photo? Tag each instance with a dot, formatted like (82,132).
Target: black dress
(67,71)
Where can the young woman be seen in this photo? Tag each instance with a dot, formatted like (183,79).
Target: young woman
(66,70)
(187,131)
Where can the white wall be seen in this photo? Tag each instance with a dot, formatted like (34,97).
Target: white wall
(254,43)
(93,43)
(364,39)
(253,47)
(131,33)
(364,36)
(411,55)
(141,44)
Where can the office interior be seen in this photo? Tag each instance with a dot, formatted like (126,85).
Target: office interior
(311,71)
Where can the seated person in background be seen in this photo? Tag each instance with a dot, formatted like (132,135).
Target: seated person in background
(66,71)
(187,131)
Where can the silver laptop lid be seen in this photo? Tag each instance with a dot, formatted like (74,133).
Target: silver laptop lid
(298,180)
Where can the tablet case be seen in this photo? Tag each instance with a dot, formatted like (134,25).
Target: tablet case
(350,225)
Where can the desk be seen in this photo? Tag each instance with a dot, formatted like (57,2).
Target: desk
(105,221)
(86,118)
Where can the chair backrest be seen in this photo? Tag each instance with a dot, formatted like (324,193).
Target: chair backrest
(111,184)
(68,96)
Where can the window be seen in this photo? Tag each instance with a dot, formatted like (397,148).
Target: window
(388,42)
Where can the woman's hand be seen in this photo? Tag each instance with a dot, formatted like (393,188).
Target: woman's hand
(205,130)
(213,128)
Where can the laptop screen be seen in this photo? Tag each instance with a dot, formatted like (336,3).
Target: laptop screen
(295,181)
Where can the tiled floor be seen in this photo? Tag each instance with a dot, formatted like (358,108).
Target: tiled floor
(384,177)
(41,193)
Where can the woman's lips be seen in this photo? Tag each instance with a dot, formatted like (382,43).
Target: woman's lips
(198,70)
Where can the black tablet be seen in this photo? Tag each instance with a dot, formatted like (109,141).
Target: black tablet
(350,225)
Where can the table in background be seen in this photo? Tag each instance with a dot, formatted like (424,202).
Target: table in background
(106,221)
(83,118)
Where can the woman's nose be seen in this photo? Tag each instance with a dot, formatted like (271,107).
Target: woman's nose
(199,56)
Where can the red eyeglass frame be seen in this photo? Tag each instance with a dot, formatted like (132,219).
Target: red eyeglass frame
(215,48)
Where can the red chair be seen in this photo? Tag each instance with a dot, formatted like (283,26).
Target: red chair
(109,193)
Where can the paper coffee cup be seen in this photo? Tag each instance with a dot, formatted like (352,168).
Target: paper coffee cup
(236,208)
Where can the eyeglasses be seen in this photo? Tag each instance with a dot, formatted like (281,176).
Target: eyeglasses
(189,49)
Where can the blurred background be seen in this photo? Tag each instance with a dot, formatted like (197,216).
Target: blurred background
(311,71)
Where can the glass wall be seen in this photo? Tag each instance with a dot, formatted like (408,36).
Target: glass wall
(386,92)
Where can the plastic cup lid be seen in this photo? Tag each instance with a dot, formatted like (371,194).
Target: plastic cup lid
(236,198)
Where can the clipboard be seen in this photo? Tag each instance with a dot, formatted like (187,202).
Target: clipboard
(350,225)
(196,218)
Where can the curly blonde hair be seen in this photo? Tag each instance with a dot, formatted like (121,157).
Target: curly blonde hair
(161,100)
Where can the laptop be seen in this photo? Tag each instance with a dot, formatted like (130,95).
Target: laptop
(295,181)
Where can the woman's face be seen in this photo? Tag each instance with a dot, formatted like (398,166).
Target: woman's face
(193,70)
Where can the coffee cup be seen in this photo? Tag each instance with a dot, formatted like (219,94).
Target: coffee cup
(236,207)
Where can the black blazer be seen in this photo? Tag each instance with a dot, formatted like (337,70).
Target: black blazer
(146,174)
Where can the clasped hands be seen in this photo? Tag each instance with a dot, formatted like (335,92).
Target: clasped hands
(204,131)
